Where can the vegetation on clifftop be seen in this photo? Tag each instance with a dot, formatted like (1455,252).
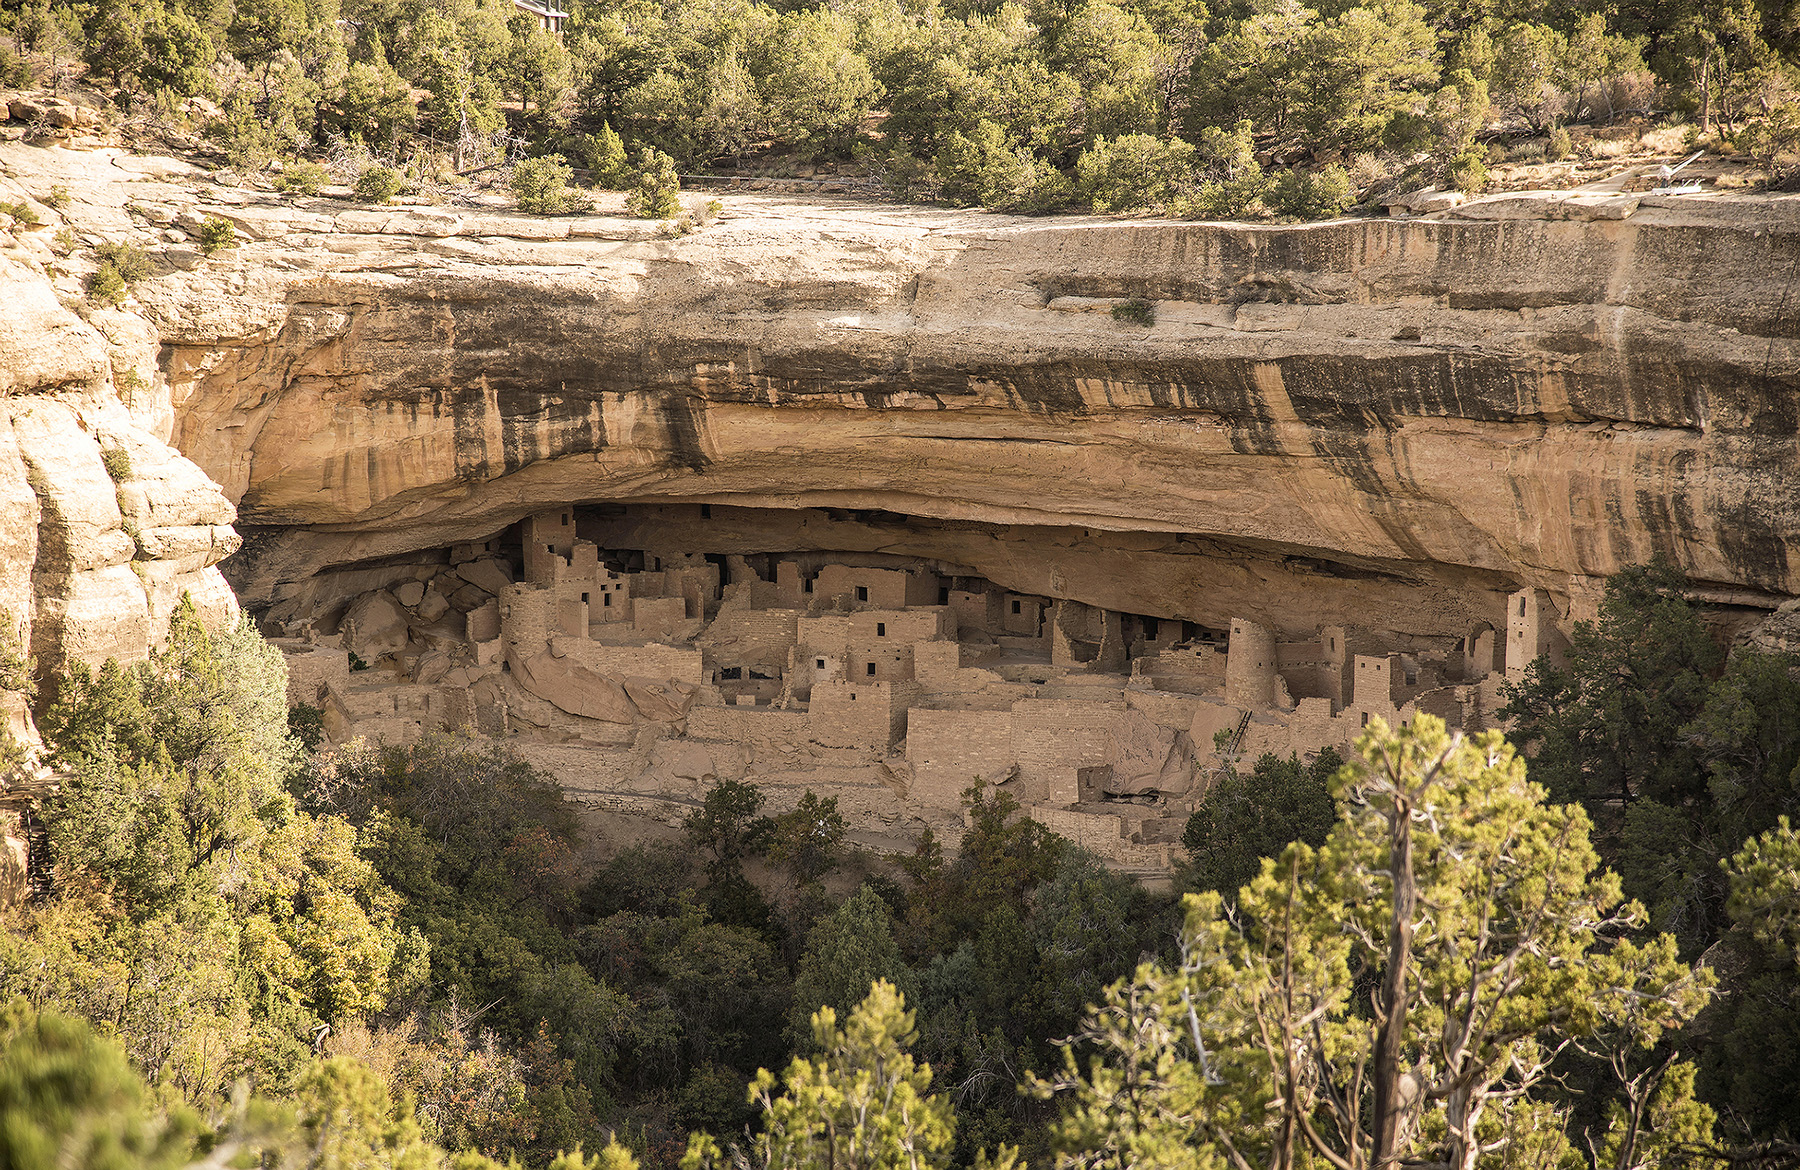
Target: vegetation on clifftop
(1230,109)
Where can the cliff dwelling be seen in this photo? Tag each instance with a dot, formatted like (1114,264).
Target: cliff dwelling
(641,652)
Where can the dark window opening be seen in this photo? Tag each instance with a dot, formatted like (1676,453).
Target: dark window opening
(943,595)
(549,548)
(1016,608)
(565,522)
(871,668)
(730,673)
(706,511)
(862,593)
(659,564)
(1365,719)
(605,600)
(821,664)
(1521,607)
(806,585)
(1150,627)
(853,696)
(584,599)
(881,629)
(757,674)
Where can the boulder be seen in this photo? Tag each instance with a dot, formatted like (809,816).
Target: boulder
(376,625)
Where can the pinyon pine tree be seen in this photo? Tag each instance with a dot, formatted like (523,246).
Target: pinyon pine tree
(1473,911)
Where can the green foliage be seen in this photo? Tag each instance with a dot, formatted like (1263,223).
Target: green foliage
(306,723)
(348,1120)
(18,669)
(131,262)
(864,1104)
(106,286)
(21,212)
(1243,819)
(1467,172)
(807,839)
(117,461)
(216,234)
(1229,183)
(1317,194)
(300,177)
(1474,913)
(69,1099)
(374,108)
(1765,886)
(1607,727)
(847,950)
(58,197)
(1133,171)
(541,185)
(1560,144)
(606,159)
(727,825)
(654,194)
(1135,312)
(378,184)
(987,168)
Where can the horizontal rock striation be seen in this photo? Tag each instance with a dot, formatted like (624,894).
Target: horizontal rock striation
(1411,416)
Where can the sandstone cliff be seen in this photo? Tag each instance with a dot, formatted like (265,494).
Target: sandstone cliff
(1398,417)
(103,523)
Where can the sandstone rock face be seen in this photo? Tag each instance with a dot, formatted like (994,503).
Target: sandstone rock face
(1397,419)
(102,524)
(1473,401)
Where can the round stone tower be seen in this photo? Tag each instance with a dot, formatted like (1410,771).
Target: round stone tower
(1250,665)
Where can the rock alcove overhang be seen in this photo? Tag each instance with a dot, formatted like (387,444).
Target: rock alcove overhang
(1391,423)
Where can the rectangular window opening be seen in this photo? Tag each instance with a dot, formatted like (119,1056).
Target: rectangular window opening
(565,520)
(871,668)
(1016,608)
(806,585)
(706,511)
(881,629)
(862,593)
(584,599)
(605,600)
(821,664)
(943,595)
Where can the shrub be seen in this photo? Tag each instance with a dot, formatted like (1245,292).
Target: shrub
(106,286)
(117,461)
(378,184)
(1132,171)
(129,261)
(58,197)
(65,241)
(654,196)
(608,165)
(542,186)
(1316,195)
(1560,143)
(1135,312)
(216,233)
(22,212)
(1468,171)
(306,723)
(987,168)
(1231,199)
(301,178)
